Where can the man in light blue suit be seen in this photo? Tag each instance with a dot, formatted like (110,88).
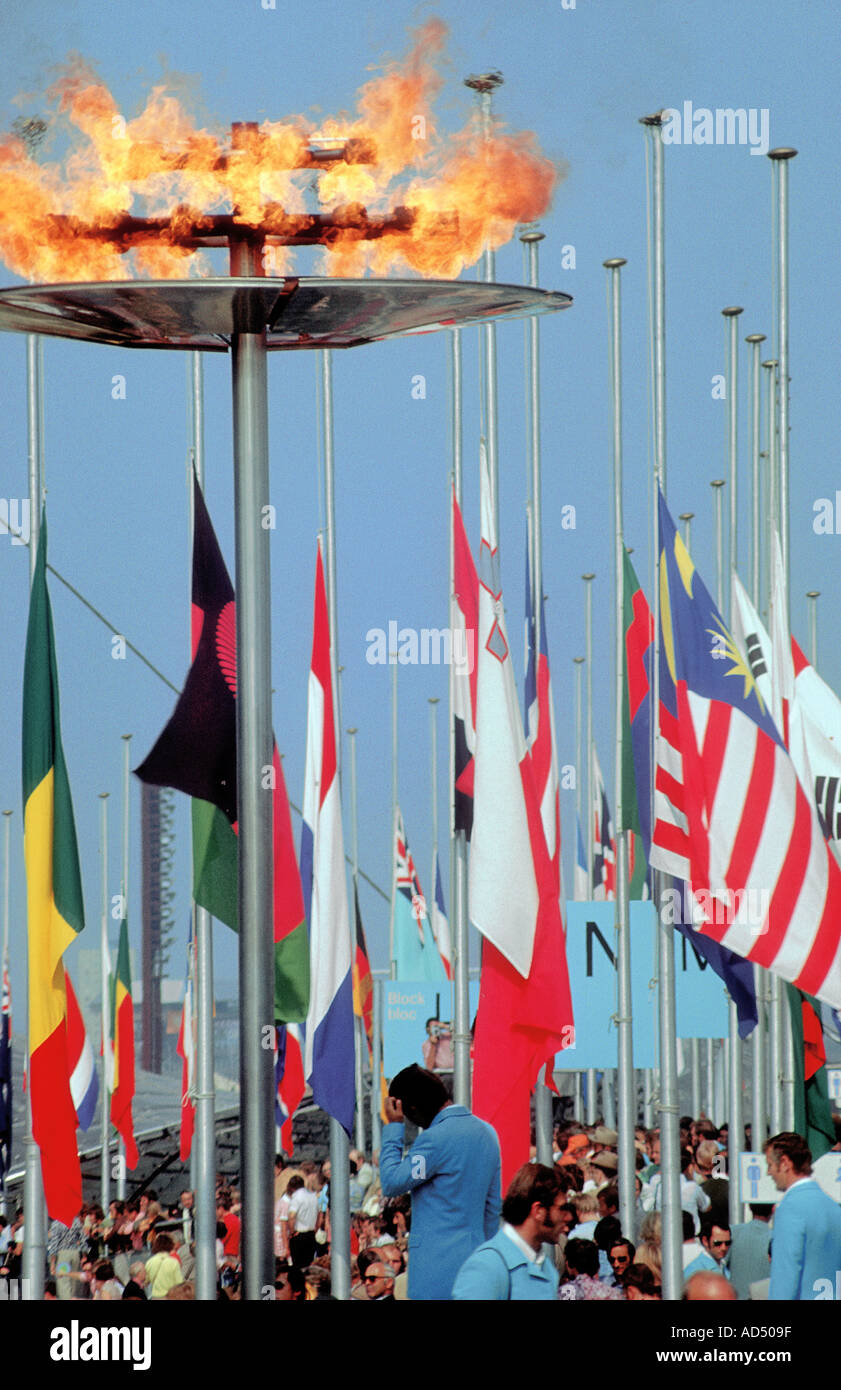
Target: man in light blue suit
(453,1173)
(512,1266)
(806,1240)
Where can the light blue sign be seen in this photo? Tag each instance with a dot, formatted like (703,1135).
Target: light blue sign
(407,1005)
(701,1006)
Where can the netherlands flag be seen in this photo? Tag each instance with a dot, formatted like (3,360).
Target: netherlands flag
(329,1050)
(84,1085)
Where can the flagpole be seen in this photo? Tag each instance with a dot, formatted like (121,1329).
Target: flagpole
(758,1075)
(392,656)
(377,1067)
(592,1097)
(626,1083)
(736,1129)
(358,1023)
(204,1136)
(720,1106)
(813,595)
(579,662)
(531,242)
(668,1103)
(339,1146)
(7,826)
(694,1043)
(254,755)
(484,86)
(104,1096)
(121,1149)
(458,840)
(780,158)
(35,1249)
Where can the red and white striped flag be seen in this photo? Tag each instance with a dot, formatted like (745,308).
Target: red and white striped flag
(731,816)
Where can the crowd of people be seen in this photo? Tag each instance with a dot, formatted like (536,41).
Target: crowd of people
(432,1223)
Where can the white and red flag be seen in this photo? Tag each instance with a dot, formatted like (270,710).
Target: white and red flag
(186,1050)
(464,605)
(525,1007)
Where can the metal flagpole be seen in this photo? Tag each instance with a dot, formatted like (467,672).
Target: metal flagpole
(775,1000)
(721,1071)
(736,1130)
(668,1082)
(592,1096)
(376,1100)
(104,1097)
(359,1024)
(579,662)
(7,825)
(694,1043)
(433,701)
(339,1146)
(484,86)
(254,806)
(625,1077)
(35,1248)
(392,656)
(813,595)
(203,1148)
(458,842)
(780,158)
(718,484)
(121,1165)
(760,976)
(531,241)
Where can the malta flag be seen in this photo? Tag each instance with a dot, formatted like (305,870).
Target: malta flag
(525,1007)
(186,1050)
(464,609)
(122,1033)
(196,754)
(731,816)
(55,910)
(329,1052)
(84,1084)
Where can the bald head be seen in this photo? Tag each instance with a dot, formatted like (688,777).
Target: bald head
(708,1287)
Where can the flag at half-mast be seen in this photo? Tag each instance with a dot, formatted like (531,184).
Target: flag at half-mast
(329,1051)
(196,754)
(525,1006)
(540,722)
(84,1083)
(55,907)
(5,1071)
(363,982)
(186,1050)
(415,952)
(439,922)
(604,844)
(122,1034)
(289,1079)
(750,844)
(464,607)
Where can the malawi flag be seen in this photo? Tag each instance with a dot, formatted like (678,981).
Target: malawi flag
(363,984)
(196,754)
(55,909)
(122,1034)
(812,1106)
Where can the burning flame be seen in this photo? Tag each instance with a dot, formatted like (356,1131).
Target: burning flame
(435,201)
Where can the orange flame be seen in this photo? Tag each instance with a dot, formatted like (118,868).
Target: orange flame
(69,221)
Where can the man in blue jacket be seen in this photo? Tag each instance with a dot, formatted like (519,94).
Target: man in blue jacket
(512,1266)
(806,1239)
(453,1173)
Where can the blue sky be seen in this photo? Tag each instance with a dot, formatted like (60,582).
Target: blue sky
(116,469)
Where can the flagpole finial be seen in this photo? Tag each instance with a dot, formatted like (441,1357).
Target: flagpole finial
(686,516)
(588,576)
(614,263)
(654,120)
(732,311)
(782,152)
(755,338)
(354,730)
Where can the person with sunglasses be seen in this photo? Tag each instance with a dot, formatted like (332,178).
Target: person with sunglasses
(715,1241)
